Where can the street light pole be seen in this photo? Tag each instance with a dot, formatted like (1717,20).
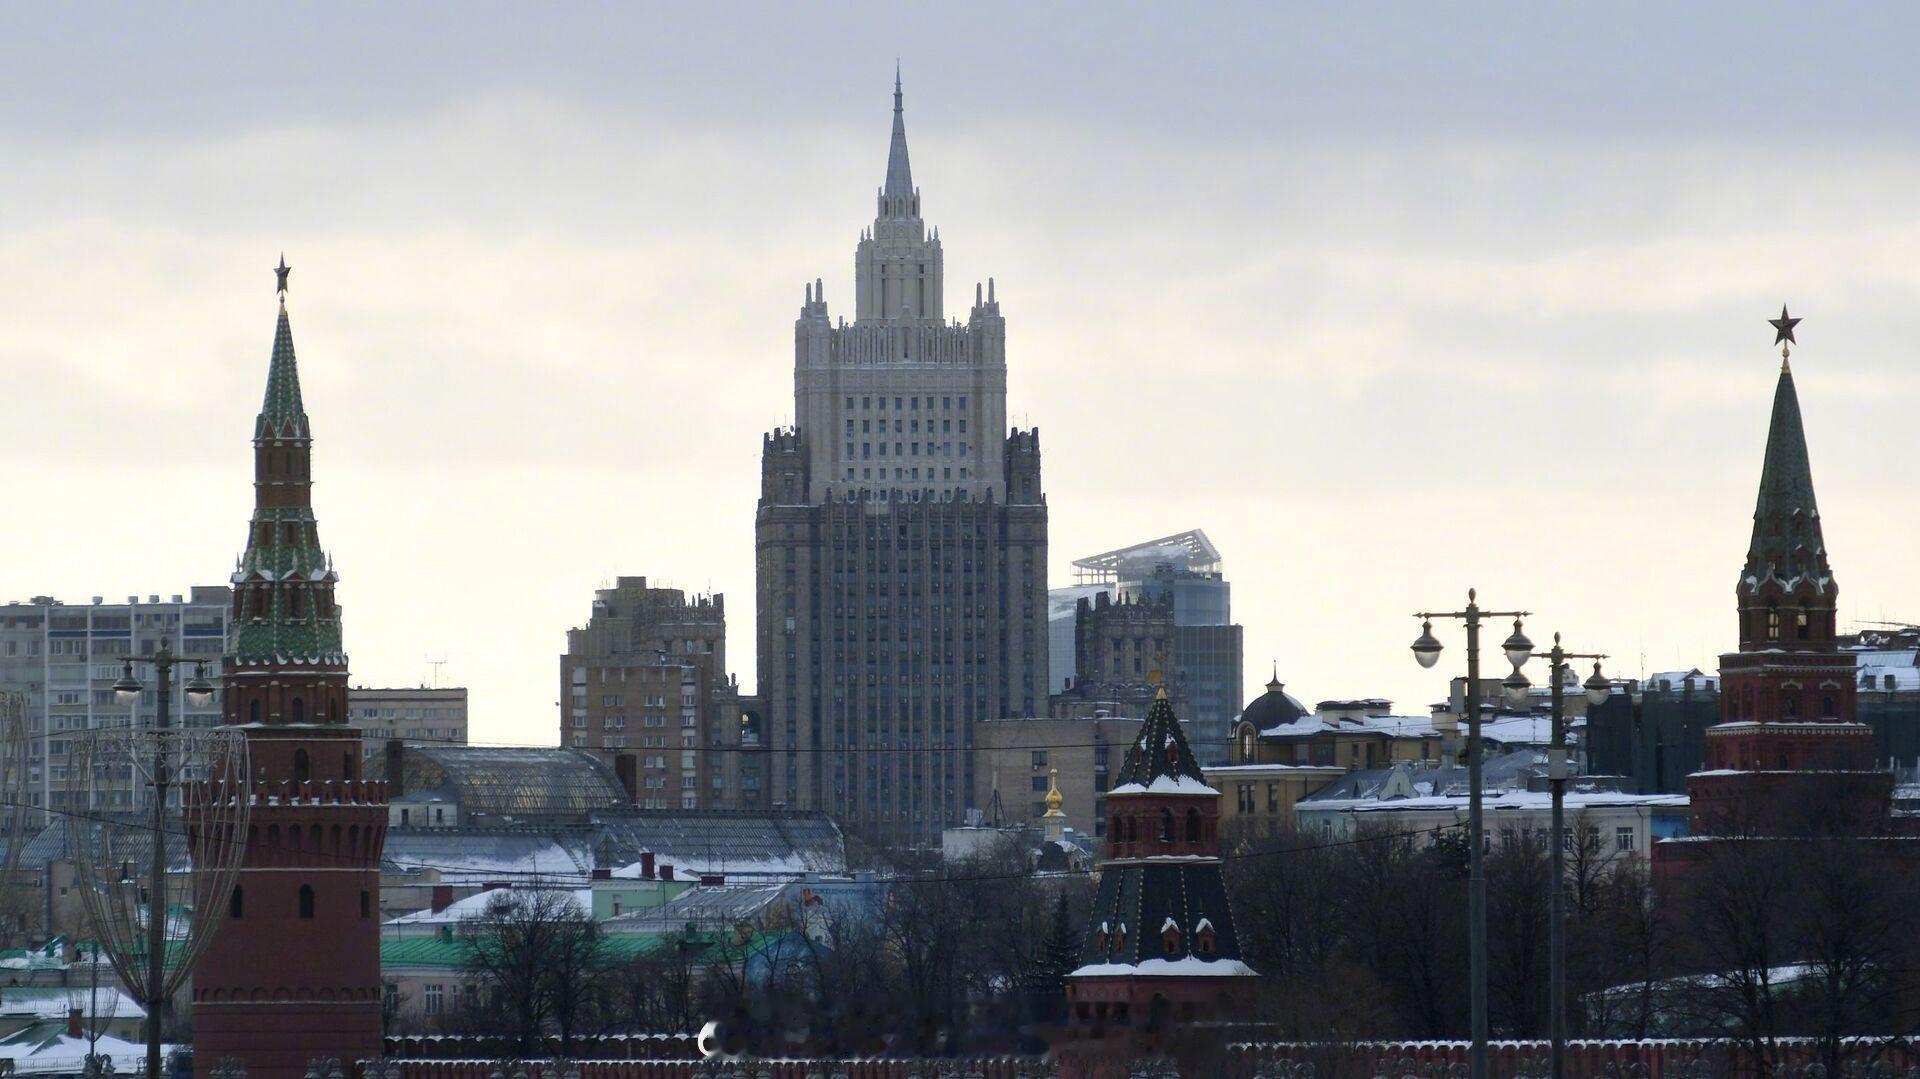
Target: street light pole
(128,689)
(1518,649)
(1559,770)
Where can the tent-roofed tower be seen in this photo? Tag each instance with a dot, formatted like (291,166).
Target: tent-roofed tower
(1787,697)
(1160,947)
(308,890)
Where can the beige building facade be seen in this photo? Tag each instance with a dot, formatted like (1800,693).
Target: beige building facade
(1018,756)
(411,715)
(643,686)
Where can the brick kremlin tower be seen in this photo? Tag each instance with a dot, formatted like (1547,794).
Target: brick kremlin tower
(293,972)
(1788,755)
(1160,948)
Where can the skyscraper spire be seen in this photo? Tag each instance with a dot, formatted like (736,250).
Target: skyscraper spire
(898,192)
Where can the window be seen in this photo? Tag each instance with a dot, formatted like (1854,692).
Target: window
(1773,623)
(1040,783)
(306,901)
(1623,839)
(1039,758)
(236,905)
(433,996)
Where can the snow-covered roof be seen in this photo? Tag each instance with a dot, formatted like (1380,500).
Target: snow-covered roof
(1525,729)
(705,907)
(42,1051)
(55,1002)
(1184,967)
(1874,668)
(1676,680)
(1503,802)
(475,906)
(1166,785)
(1324,723)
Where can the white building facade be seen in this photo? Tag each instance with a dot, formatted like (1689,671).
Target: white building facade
(62,659)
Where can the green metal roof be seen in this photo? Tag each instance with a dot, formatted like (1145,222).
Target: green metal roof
(451,953)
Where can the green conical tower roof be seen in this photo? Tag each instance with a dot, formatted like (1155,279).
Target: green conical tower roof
(1160,761)
(1787,542)
(282,414)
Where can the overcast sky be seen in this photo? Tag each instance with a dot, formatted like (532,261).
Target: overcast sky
(1391,300)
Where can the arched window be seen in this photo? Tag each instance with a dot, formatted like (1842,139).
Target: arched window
(1773,623)
(1203,938)
(306,901)
(302,768)
(235,904)
(299,710)
(1800,623)
(253,711)
(1789,706)
(293,602)
(1826,706)
(346,766)
(1170,941)
(1166,826)
(1193,825)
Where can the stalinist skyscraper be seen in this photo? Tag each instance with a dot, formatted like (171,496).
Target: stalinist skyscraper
(901,541)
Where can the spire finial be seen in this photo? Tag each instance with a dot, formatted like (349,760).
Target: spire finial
(896,84)
(280,287)
(1783,336)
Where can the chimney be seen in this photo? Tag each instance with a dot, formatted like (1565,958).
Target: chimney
(626,769)
(73,1024)
(646,865)
(712,880)
(396,768)
(442,897)
(601,872)
(666,872)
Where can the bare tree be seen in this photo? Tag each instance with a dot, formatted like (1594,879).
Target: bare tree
(537,956)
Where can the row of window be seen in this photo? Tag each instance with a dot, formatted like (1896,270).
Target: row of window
(912,403)
(911,427)
(304,904)
(906,449)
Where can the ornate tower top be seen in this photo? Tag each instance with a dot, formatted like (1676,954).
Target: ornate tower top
(1786,590)
(1160,761)
(282,413)
(284,610)
(1787,540)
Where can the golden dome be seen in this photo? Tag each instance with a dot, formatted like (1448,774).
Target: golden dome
(1054,798)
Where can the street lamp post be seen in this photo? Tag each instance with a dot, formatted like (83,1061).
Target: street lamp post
(1518,650)
(1559,770)
(127,690)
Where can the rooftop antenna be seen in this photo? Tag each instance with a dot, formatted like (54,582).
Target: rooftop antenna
(434,666)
